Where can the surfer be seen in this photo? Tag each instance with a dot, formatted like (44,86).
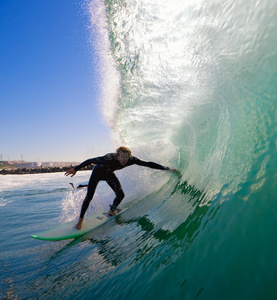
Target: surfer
(104,170)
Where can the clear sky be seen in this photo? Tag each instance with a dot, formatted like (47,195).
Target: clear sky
(48,83)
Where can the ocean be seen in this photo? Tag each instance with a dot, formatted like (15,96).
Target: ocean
(190,85)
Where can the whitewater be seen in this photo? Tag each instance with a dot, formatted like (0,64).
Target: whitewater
(190,85)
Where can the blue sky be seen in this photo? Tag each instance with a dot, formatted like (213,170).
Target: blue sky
(48,83)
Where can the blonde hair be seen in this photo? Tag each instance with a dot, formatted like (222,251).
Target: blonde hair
(124,150)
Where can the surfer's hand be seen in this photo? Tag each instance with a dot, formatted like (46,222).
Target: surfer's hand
(177,172)
(71,172)
(170,170)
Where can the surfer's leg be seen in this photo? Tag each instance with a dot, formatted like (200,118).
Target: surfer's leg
(114,183)
(93,182)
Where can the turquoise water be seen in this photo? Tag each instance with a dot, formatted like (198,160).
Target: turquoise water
(190,85)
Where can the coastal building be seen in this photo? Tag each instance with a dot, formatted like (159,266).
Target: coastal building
(28,165)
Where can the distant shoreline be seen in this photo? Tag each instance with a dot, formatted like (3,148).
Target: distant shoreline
(22,171)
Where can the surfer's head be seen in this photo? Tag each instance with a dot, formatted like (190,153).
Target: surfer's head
(123,154)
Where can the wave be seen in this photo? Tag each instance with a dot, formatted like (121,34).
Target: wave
(192,85)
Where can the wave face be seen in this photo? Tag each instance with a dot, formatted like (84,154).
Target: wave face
(195,79)
(192,84)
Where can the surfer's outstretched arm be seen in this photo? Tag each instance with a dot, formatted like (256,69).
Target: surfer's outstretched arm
(150,164)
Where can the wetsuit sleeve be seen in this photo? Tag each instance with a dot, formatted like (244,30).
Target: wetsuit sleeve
(149,164)
(97,160)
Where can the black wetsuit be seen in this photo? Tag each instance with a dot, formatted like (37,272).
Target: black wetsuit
(104,170)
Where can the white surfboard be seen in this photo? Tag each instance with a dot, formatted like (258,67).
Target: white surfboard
(68,231)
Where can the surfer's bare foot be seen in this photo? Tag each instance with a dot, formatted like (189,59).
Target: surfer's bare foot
(79,224)
(112,213)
